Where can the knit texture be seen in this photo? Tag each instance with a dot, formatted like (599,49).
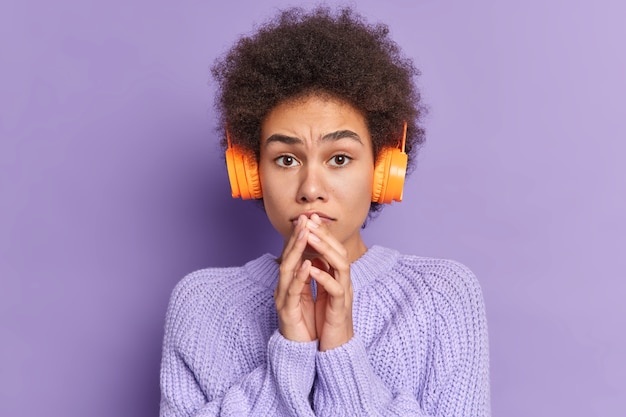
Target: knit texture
(420,345)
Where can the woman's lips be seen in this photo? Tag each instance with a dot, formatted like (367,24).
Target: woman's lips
(323,217)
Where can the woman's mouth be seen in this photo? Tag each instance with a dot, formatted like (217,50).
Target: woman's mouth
(323,217)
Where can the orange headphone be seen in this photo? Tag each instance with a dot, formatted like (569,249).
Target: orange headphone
(389,173)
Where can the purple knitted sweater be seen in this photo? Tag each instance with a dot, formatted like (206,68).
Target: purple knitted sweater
(420,345)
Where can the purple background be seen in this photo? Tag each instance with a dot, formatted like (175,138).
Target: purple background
(112,188)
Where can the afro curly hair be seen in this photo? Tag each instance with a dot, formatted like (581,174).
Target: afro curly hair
(340,55)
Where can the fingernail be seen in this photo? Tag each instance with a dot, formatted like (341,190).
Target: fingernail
(316,218)
(314,238)
(312,224)
(301,234)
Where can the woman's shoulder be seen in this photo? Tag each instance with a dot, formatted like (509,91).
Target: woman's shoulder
(199,283)
(444,278)
(454,291)
(259,271)
(213,290)
(441,270)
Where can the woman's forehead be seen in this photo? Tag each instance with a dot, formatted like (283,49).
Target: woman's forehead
(315,113)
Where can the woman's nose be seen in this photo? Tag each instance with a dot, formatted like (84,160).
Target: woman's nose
(312,185)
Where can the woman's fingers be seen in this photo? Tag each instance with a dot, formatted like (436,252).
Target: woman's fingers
(291,257)
(318,228)
(333,311)
(330,317)
(331,271)
(295,289)
(297,314)
(293,297)
(331,285)
(331,251)
(288,254)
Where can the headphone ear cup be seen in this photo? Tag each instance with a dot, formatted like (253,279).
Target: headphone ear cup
(380,174)
(252,176)
(389,175)
(243,174)
(231,156)
(397,173)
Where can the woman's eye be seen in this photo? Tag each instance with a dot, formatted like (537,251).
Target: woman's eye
(286,161)
(340,160)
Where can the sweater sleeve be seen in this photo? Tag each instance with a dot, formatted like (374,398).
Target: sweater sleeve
(231,386)
(456,383)
(459,384)
(348,386)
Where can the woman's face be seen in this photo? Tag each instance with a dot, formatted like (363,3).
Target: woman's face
(316,157)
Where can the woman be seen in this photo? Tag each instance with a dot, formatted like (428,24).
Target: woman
(320,116)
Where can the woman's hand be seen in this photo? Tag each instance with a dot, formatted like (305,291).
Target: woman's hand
(293,297)
(329,317)
(333,306)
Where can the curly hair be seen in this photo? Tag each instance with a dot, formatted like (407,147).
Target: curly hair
(300,53)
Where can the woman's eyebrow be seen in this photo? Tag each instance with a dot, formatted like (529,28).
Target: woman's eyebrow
(340,134)
(333,136)
(289,140)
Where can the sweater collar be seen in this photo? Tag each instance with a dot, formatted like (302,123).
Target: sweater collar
(374,263)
